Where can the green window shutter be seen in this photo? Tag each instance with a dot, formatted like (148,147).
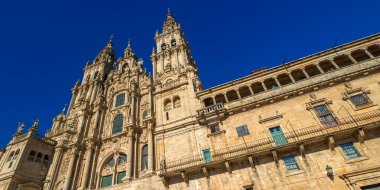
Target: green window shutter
(107,181)
(120,177)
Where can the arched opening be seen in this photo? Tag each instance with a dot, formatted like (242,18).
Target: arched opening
(232,95)
(343,61)
(121,173)
(374,50)
(359,55)
(326,66)
(45,161)
(32,155)
(284,79)
(173,42)
(107,173)
(257,87)
(270,84)
(164,46)
(10,157)
(177,102)
(118,124)
(145,114)
(220,98)
(312,70)
(167,105)
(298,75)
(208,102)
(244,91)
(39,158)
(144,158)
(96,74)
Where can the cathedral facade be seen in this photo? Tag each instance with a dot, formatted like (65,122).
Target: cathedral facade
(313,123)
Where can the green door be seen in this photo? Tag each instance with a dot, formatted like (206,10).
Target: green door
(278,136)
(207,155)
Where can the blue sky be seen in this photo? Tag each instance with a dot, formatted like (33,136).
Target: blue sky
(44,45)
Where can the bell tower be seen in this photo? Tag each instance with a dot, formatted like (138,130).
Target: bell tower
(175,74)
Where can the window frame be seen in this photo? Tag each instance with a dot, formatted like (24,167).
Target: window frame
(120,100)
(120,121)
(347,96)
(242,133)
(295,163)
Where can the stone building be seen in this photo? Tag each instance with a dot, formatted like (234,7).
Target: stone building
(312,123)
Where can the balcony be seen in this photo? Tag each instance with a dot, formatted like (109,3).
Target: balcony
(211,113)
(265,145)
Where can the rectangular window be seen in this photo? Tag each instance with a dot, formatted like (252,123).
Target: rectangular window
(291,164)
(359,100)
(325,116)
(10,165)
(107,181)
(350,151)
(278,136)
(207,155)
(120,177)
(120,100)
(242,131)
(215,128)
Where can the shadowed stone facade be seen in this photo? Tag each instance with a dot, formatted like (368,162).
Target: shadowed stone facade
(308,124)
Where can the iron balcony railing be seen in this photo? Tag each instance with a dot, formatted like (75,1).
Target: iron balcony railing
(211,109)
(268,143)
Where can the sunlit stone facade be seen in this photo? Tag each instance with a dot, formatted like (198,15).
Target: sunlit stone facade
(308,124)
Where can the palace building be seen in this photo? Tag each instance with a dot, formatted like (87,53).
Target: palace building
(313,123)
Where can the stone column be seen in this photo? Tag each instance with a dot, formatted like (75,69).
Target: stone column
(87,167)
(93,96)
(291,78)
(53,169)
(319,68)
(305,73)
(369,54)
(70,168)
(352,59)
(265,88)
(334,64)
(1,153)
(277,82)
(89,92)
(72,101)
(150,146)
(130,154)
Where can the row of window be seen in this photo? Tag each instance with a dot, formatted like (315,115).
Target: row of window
(38,157)
(164,46)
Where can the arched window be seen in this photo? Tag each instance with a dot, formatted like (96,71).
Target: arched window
(45,161)
(163,46)
(107,179)
(88,78)
(167,105)
(117,124)
(32,155)
(177,102)
(10,157)
(16,154)
(39,158)
(96,74)
(122,159)
(144,158)
(173,43)
(145,114)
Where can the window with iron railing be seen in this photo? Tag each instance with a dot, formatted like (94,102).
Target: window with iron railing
(214,128)
(325,115)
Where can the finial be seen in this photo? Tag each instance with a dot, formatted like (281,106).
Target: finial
(111,36)
(64,109)
(153,51)
(34,127)
(129,43)
(20,128)
(87,63)
(169,11)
